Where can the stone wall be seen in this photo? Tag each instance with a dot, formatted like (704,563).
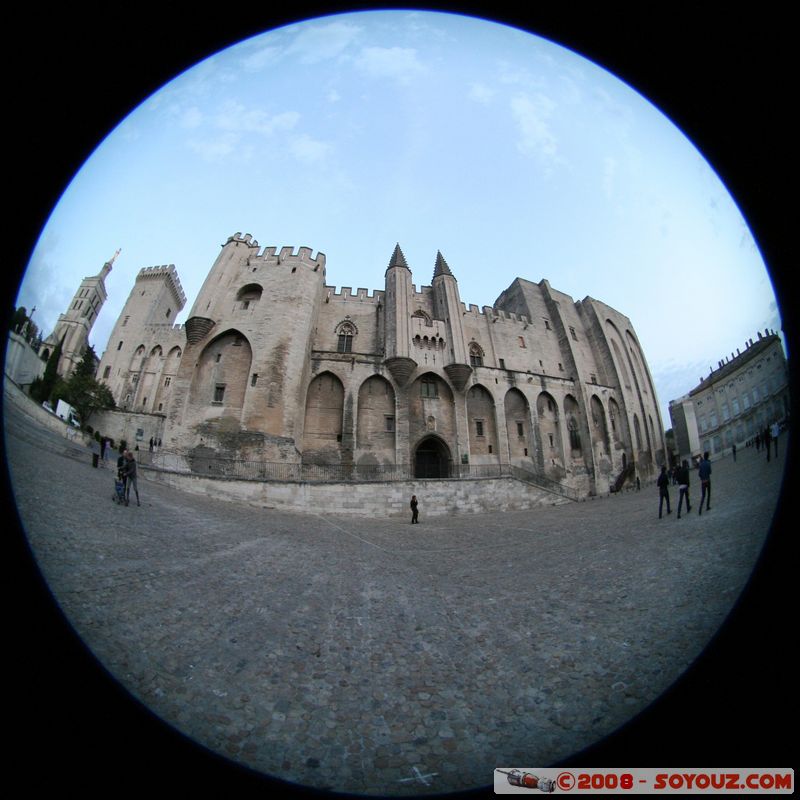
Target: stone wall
(126,425)
(22,363)
(374,499)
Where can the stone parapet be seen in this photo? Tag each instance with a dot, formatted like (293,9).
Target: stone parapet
(371,499)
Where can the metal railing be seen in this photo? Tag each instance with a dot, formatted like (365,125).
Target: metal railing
(217,467)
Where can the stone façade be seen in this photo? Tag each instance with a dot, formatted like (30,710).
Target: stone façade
(274,365)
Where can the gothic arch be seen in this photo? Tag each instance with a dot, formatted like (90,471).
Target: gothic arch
(219,382)
(432,458)
(431,410)
(599,426)
(346,332)
(476,355)
(166,379)
(637,432)
(572,413)
(549,428)
(251,291)
(375,421)
(324,414)
(482,420)
(518,424)
(424,316)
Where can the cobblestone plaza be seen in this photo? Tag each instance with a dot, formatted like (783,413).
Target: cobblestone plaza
(367,656)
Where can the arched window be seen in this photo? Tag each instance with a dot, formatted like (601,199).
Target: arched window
(422,315)
(475,355)
(429,386)
(346,333)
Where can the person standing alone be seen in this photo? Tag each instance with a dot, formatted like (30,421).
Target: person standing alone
(129,471)
(704,473)
(414,510)
(683,487)
(663,491)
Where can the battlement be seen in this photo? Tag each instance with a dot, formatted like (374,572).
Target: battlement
(346,293)
(286,255)
(495,314)
(157,328)
(170,274)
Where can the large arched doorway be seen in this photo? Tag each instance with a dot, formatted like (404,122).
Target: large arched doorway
(432,459)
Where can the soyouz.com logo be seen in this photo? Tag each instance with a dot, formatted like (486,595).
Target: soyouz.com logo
(644,781)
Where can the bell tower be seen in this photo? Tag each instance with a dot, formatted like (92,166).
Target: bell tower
(75,325)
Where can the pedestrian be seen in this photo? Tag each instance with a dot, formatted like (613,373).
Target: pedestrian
(129,469)
(776,429)
(638,484)
(683,487)
(704,473)
(414,510)
(734,451)
(663,491)
(151,444)
(758,442)
(766,441)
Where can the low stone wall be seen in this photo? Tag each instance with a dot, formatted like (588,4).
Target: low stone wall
(384,499)
(135,428)
(13,394)
(22,364)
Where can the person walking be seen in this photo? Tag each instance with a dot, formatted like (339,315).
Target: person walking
(683,487)
(129,470)
(766,439)
(663,491)
(704,473)
(414,510)
(776,429)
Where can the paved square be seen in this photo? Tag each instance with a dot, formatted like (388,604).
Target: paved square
(370,656)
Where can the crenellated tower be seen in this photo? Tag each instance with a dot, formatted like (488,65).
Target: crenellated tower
(240,389)
(146,323)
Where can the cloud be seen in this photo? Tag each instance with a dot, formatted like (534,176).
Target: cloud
(481,93)
(396,63)
(610,166)
(235,117)
(261,57)
(532,114)
(192,118)
(218,148)
(308,150)
(323,42)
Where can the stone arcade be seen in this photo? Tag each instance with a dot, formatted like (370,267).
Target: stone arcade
(273,365)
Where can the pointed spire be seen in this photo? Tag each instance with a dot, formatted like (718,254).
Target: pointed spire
(441,266)
(397,259)
(109,264)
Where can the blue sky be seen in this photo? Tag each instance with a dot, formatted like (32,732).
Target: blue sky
(348,134)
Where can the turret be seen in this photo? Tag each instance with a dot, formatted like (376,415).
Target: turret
(396,319)
(447,305)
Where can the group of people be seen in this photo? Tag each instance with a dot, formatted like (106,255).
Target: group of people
(768,438)
(126,474)
(681,476)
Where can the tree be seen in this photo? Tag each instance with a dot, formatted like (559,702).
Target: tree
(83,392)
(18,319)
(43,388)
